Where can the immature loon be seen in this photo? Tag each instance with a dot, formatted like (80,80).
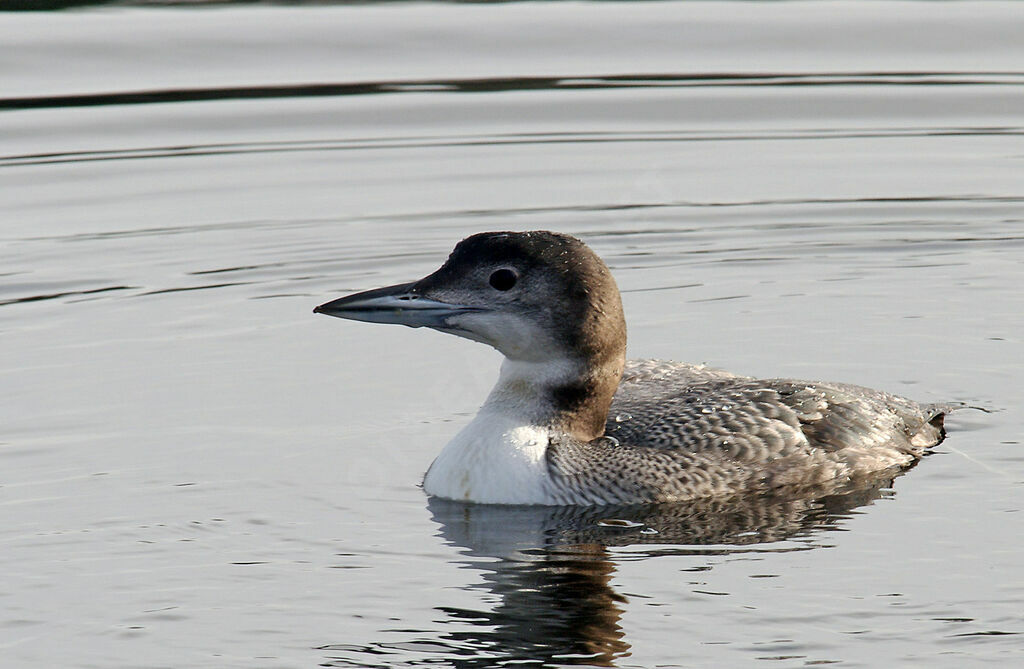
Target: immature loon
(571,422)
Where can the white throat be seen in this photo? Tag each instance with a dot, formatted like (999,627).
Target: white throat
(500,456)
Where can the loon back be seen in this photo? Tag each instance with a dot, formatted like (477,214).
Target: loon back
(676,405)
(770,435)
(570,422)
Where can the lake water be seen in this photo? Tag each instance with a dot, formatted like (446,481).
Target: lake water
(196,471)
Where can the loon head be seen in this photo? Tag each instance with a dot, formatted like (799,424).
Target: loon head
(534,296)
(537,297)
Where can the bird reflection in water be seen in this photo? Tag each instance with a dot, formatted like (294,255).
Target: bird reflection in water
(550,570)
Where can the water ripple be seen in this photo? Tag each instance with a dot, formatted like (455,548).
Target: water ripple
(517,139)
(531,83)
(64,293)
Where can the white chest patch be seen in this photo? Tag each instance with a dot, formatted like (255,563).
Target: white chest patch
(493,460)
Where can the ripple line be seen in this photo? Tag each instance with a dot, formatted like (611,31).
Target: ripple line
(502,84)
(218,149)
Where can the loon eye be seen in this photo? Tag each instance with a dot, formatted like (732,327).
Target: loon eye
(503,279)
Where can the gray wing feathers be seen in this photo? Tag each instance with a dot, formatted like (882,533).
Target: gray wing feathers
(678,431)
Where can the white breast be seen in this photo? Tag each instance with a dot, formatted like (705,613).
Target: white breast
(496,459)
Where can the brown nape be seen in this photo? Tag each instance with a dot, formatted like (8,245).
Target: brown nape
(598,333)
(581,407)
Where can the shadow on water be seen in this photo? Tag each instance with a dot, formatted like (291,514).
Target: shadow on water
(550,571)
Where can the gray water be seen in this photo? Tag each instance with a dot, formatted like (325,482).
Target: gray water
(195,471)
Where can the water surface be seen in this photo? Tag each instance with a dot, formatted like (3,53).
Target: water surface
(199,472)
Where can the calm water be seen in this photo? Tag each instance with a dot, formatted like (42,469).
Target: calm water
(196,471)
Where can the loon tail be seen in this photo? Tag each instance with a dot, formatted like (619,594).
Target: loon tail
(933,431)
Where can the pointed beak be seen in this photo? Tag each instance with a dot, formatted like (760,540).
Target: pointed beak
(400,304)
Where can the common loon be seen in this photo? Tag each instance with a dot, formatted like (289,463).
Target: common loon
(571,422)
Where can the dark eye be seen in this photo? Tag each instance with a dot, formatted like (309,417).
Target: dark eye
(503,279)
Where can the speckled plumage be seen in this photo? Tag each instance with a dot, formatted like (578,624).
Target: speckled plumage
(678,432)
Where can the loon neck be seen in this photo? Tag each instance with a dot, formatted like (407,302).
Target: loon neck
(571,395)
